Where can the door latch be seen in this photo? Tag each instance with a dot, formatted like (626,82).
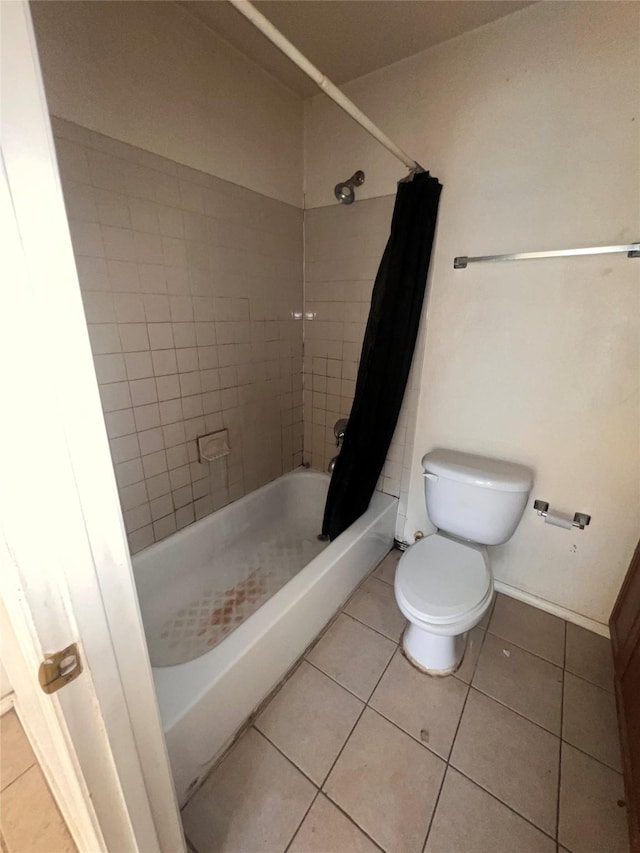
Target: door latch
(59,668)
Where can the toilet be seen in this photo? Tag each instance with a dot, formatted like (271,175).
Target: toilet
(444,583)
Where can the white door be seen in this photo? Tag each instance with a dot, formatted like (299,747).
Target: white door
(65,567)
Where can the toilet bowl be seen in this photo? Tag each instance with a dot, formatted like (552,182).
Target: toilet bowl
(443,587)
(444,583)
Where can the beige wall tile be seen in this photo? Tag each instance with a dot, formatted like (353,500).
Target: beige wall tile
(343,248)
(172,271)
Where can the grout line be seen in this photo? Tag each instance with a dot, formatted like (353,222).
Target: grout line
(593,758)
(284,755)
(564,662)
(335,681)
(455,736)
(449,764)
(251,719)
(375,629)
(522,648)
(593,683)
(364,708)
(302,820)
(408,734)
(553,734)
(20,775)
(519,713)
(366,704)
(348,738)
(444,775)
(502,802)
(355,618)
(351,820)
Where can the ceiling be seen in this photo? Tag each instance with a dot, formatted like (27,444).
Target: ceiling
(347,38)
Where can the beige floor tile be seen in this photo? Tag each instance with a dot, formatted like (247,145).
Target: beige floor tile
(427,708)
(591,821)
(469,820)
(511,757)
(353,654)
(386,570)
(254,801)
(31,822)
(531,629)
(589,720)
(387,783)
(589,656)
(326,830)
(526,683)
(309,719)
(374,604)
(484,622)
(16,754)
(475,638)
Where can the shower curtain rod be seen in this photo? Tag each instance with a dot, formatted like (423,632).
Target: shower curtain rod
(275,36)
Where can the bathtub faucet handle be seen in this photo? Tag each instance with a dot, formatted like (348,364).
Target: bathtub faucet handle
(339,429)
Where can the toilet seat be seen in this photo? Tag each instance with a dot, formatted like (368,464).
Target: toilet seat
(440,581)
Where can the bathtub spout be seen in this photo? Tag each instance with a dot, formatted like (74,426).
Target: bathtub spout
(332,464)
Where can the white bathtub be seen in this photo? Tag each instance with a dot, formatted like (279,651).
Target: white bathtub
(204,701)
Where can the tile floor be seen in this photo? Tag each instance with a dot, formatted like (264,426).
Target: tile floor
(30,821)
(358,751)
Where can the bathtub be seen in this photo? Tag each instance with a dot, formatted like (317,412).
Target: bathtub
(206,700)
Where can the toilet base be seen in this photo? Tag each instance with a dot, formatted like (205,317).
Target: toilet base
(432,653)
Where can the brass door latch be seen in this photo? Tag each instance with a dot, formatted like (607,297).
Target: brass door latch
(59,668)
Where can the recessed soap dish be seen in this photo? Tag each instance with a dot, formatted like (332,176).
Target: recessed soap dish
(213,446)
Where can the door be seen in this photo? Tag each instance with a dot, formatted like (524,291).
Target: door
(65,573)
(625,639)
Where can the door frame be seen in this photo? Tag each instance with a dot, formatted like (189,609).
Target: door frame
(66,570)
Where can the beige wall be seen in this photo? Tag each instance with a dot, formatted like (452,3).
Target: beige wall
(531,123)
(148,74)
(190,287)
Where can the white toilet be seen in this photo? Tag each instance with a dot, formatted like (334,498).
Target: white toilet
(444,583)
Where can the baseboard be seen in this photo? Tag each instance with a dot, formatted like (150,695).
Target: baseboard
(555,609)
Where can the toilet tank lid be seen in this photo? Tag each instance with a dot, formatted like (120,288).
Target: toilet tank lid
(478,470)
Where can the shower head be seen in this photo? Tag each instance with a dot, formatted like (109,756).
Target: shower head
(346,192)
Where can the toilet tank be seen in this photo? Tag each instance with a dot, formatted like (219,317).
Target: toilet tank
(475,497)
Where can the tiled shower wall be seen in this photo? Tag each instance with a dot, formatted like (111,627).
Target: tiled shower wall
(191,286)
(343,249)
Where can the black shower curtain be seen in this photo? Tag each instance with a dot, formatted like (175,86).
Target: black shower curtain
(387,350)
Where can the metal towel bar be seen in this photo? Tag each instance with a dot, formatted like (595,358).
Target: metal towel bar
(632,250)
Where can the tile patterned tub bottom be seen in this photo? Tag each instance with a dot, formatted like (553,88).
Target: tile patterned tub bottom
(258,570)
